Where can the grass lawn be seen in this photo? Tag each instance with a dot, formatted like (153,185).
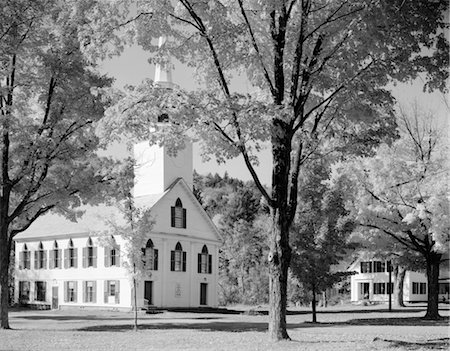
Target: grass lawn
(339,328)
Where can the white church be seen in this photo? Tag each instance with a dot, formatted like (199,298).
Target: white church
(61,264)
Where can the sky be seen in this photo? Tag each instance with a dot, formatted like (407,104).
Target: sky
(132,67)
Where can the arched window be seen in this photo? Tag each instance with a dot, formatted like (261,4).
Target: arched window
(55,256)
(178,259)
(40,257)
(89,255)
(24,258)
(178,215)
(150,256)
(70,256)
(204,261)
(112,254)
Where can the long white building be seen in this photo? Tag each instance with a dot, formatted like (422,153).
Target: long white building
(60,263)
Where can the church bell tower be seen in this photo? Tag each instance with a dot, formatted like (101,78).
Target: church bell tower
(155,170)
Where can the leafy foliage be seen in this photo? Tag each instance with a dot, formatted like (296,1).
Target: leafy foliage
(51,99)
(236,208)
(402,193)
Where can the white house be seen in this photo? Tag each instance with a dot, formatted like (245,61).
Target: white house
(60,263)
(372,283)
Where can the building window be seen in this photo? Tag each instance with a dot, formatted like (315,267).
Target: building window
(24,258)
(89,255)
(204,261)
(379,288)
(39,291)
(419,288)
(40,257)
(444,288)
(89,291)
(178,259)
(24,291)
(55,257)
(112,291)
(378,266)
(112,255)
(366,267)
(178,215)
(71,256)
(70,291)
(150,256)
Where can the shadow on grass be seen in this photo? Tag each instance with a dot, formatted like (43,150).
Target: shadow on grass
(99,318)
(240,327)
(433,344)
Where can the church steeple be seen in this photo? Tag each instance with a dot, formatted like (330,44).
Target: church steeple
(163,72)
(155,169)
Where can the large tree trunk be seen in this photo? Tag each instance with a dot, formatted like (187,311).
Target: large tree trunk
(313,304)
(4,281)
(280,251)
(279,259)
(433,261)
(399,281)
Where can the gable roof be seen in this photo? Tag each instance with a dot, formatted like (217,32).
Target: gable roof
(53,225)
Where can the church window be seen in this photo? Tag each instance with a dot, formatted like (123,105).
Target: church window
(24,258)
(178,215)
(178,259)
(150,256)
(40,257)
(89,255)
(204,261)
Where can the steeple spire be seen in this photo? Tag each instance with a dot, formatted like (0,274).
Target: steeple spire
(163,73)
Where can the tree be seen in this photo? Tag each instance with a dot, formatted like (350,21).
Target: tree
(50,101)
(236,209)
(134,232)
(402,193)
(320,234)
(316,69)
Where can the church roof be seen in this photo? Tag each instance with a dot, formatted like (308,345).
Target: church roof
(93,220)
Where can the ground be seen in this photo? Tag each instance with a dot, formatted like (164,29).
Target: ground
(339,328)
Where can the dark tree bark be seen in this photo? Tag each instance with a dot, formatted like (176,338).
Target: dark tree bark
(4,281)
(399,281)
(433,261)
(313,304)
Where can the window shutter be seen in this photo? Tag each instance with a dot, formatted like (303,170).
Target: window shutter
(36,260)
(117,291)
(184,218)
(118,256)
(66,258)
(59,258)
(172,216)
(75,253)
(155,259)
(66,291)
(51,263)
(184,261)
(209,264)
(172,260)
(95,257)
(107,257)
(75,291)
(94,292)
(84,257)
(199,263)
(21,260)
(84,291)
(44,252)
(105,292)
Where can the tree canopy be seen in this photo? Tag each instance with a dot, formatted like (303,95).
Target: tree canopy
(402,193)
(316,69)
(51,99)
